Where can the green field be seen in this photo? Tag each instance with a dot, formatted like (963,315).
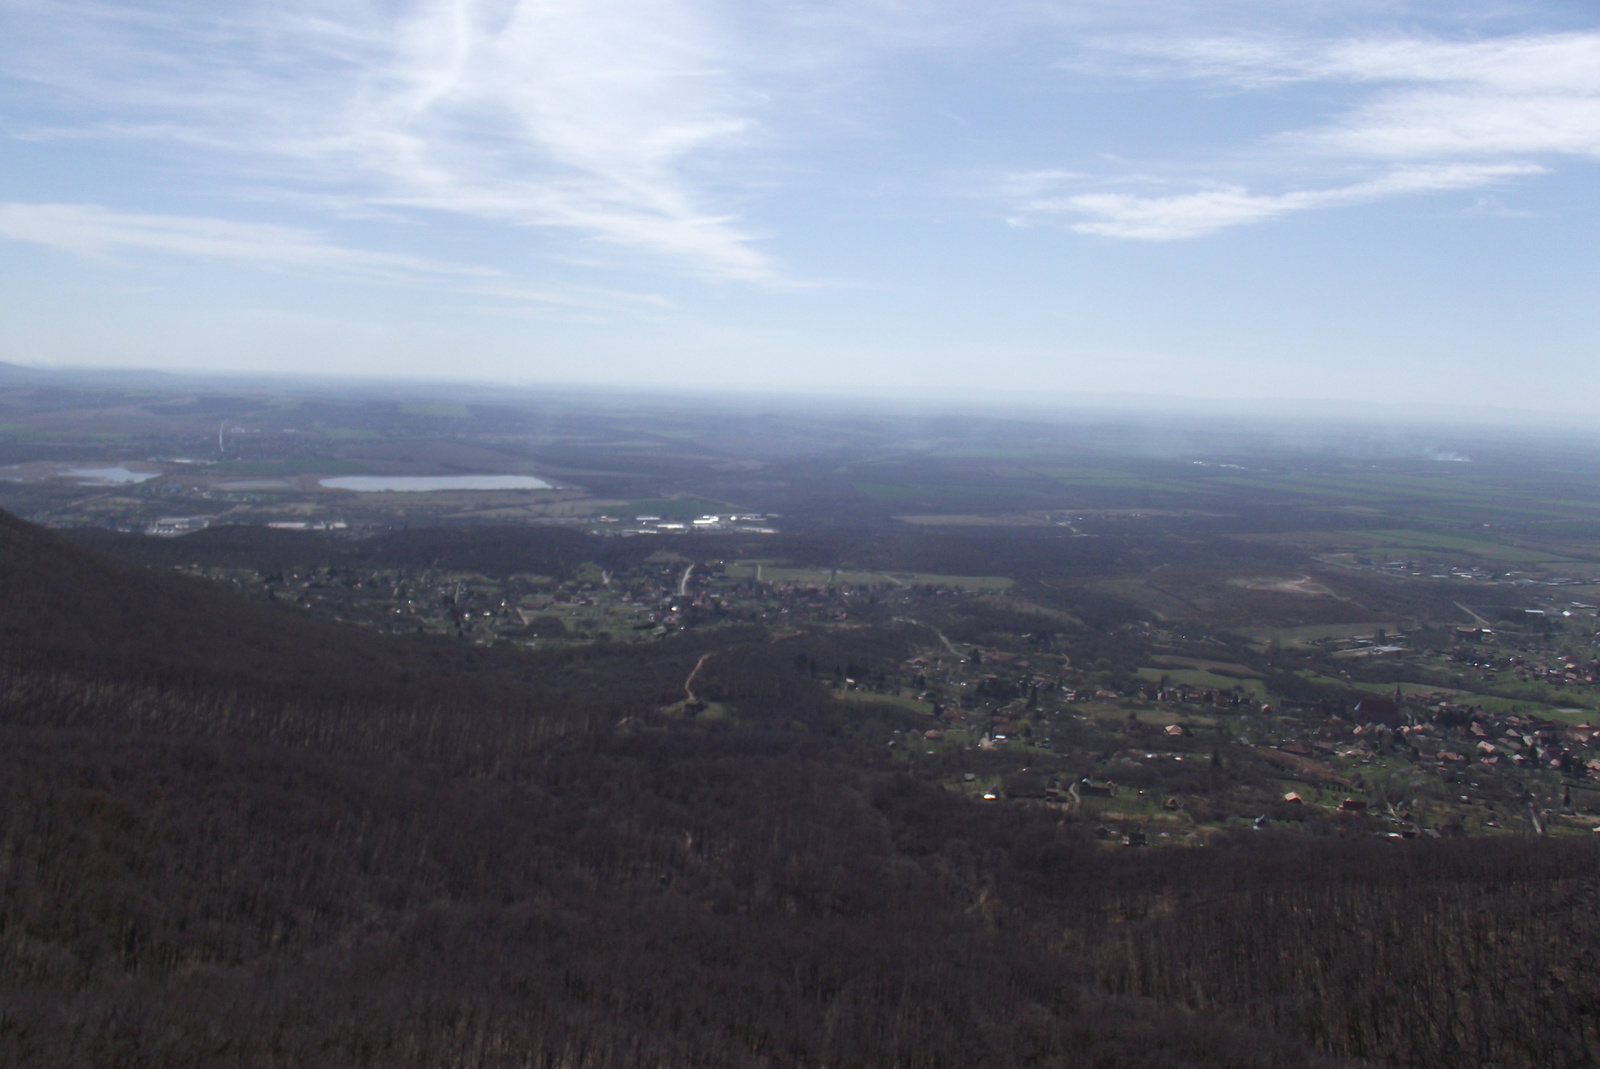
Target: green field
(828,577)
(980,583)
(897,700)
(436,411)
(945,491)
(292,466)
(1113,479)
(1405,540)
(1194,677)
(1225,668)
(1490,703)
(1303,636)
(673,508)
(823,577)
(1160,716)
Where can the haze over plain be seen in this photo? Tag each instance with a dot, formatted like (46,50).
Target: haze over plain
(1373,202)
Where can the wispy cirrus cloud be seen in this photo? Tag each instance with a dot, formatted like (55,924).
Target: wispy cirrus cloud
(1188,215)
(633,124)
(1530,94)
(1519,64)
(597,118)
(1437,115)
(95,231)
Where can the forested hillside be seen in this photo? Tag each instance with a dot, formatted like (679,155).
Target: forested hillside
(233,833)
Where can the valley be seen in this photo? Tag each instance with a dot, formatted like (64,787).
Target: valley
(1056,747)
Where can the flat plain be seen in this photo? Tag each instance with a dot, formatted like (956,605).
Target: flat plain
(730,675)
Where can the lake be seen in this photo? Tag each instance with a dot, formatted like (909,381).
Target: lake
(109,476)
(367,484)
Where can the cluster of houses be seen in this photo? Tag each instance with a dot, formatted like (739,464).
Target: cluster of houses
(173,526)
(743,523)
(1447,733)
(1462,735)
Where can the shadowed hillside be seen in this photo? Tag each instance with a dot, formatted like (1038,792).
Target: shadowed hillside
(232,834)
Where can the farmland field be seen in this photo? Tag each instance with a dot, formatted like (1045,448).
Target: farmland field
(768,572)
(1192,677)
(1445,542)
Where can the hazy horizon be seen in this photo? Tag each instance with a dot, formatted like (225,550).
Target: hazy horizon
(1383,204)
(1251,414)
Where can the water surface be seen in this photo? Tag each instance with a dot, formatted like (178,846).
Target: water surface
(110,476)
(366,484)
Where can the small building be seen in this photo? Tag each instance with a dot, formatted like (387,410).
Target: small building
(1377,710)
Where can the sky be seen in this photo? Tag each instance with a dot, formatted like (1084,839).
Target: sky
(1363,201)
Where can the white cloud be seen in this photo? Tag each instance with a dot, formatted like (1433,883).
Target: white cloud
(1439,115)
(94,231)
(602,118)
(1536,94)
(1187,215)
(634,123)
(1532,64)
(567,112)
(1422,125)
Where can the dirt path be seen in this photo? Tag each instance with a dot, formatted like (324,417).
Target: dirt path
(688,692)
(930,627)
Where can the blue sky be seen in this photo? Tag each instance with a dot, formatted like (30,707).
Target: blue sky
(1364,201)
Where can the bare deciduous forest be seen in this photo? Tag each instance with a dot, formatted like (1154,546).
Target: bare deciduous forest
(408,851)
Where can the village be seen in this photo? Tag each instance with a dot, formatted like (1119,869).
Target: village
(1155,752)
(1196,762)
